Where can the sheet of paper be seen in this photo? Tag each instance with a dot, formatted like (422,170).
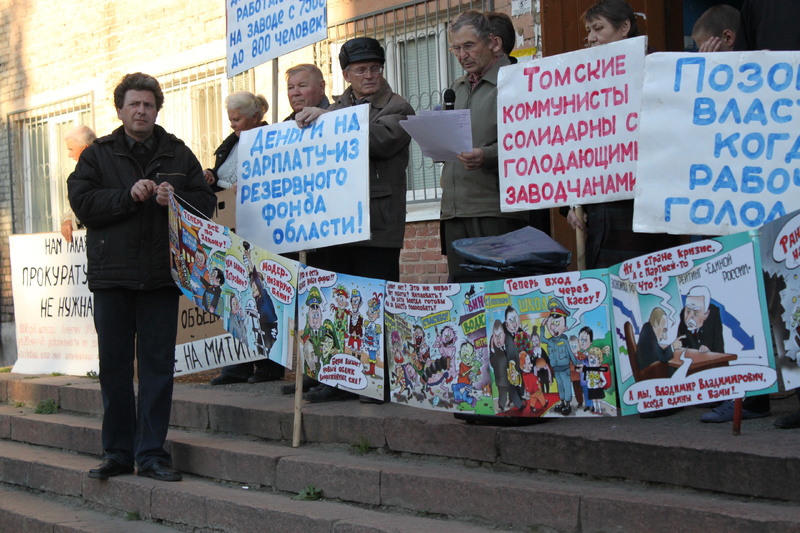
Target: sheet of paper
(441,135)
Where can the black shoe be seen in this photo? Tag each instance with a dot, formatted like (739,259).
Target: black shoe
(222,379)
(259,377)
(367,399)
(161,471)
(109,468)
(326,393)
(662,413)
(790,421)
(308,384)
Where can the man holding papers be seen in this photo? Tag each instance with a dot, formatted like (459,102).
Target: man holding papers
(470,186)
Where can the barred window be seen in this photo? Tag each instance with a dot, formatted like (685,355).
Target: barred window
(418,66)
(201,90)
(40,164)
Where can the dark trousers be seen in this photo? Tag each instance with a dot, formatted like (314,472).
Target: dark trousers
(143,324)
(262,366)
(364,261)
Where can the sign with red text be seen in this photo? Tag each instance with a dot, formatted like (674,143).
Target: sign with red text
(53,308)
(719,142)
(567,127)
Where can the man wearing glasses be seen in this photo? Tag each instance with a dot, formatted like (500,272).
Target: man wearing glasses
(362,61)
(470,186)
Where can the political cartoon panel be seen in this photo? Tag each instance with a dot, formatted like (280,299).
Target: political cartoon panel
(252,290)
(436,341)
(686,328)
(550,346)
(340,334)
(780,259)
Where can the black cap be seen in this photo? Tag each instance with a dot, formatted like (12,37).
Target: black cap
(361,49)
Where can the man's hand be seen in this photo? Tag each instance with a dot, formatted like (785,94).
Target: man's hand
(472,160)
(143,190)
(66,230)
(307,115)
(574,221)
(162,193)
(209,177)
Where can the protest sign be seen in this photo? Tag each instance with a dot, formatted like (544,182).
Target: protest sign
(719,143)
(261,30)
(306,188)
(340,330)
(53,308)
(436,339)
(568,127)
(253,291)
(780,259)
(550,345)
(685,326)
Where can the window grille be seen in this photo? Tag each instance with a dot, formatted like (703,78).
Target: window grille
(418,66)
(40,164)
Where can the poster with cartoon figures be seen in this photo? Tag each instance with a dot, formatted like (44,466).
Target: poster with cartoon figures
(550,345)
(251,289)
(686,329)
(780,259)
(340,331)
(436,340)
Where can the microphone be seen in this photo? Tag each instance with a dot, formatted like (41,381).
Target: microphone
(449,98)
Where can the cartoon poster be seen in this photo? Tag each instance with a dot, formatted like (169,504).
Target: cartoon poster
(305,188)
(685,325)
(550,345)
(340,331)
(568,127)
(719,142)
(780,259)
(436,339)
(251,289)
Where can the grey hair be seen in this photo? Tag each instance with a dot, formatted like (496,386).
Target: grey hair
(82,135)
(247,104)
(304,67)
(477,21)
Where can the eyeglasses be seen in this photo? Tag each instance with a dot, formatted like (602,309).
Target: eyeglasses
(362,71)
(466,48)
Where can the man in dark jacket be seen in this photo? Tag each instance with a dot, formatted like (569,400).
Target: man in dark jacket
(120,191)
(362,60)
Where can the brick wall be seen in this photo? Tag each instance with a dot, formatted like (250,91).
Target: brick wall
(421,260)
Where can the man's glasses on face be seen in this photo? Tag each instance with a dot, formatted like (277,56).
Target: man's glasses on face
(466,48)
(362,71)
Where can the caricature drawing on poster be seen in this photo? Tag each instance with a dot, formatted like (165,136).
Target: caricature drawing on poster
(685,327)
(340,334)
(251,289)
(780,258)
(550,345)
(436,339)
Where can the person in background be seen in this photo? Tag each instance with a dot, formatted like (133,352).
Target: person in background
(245,112)
(470,204)
(305,87)
(504,32)
(362,60)
(610,238)
(715,30)
(120,190)
(76,140)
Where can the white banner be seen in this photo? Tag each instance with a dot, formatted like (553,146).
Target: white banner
(567,127)
(261,30)
(719,142)
(53,308)
(300,189)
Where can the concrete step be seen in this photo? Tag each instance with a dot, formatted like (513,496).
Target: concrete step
(624,474)
(22,511)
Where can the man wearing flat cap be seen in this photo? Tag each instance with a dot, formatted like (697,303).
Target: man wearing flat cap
(555,324)
(362,60)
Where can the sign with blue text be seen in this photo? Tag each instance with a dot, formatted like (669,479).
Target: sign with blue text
(719,144)
(306,188)
(261,30)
